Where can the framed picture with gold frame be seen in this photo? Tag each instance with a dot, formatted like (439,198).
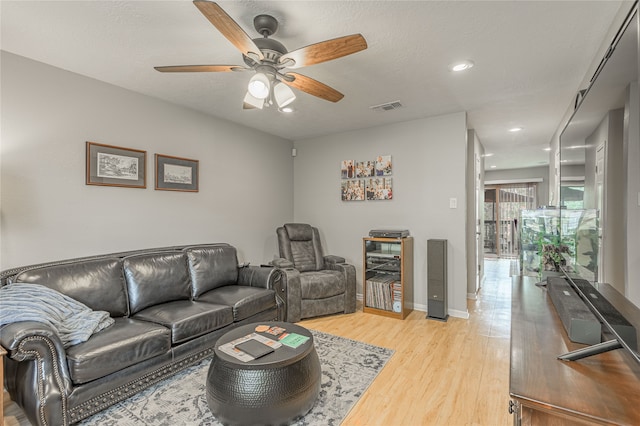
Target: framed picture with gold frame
(109,165)
(176,173)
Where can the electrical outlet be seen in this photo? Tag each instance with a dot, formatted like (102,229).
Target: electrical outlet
(453,203)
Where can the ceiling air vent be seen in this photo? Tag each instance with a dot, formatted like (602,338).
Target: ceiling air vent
(387,106)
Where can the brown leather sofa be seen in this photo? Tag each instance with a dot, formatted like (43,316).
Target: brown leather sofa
(170,305)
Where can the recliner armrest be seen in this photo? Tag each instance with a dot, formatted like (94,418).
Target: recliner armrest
(332,259)
(338,263)
(290,281)
(282,263)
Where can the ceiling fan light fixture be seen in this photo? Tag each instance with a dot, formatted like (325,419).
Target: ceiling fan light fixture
(268,57)
(283,94)
(252,101)
(259,86)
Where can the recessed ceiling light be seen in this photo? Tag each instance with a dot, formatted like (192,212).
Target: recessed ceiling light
(515,129)
(490,154)
(461,66)
(493,167)
(547,149)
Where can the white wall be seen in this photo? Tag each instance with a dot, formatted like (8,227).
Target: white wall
(610,133)
(631,156)
(429,168)
(615,236)
(593,141)
(48,213)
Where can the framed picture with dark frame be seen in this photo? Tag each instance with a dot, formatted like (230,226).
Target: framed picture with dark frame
(109,165)
(176,173)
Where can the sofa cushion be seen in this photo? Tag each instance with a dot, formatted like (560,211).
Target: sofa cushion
(98,284)
(321,284)
(187,319)
(212,267)
(246,301)
(125,343)
(156,278)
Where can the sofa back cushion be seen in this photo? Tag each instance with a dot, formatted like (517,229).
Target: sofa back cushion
(156,278)
(97,283)
(212,267)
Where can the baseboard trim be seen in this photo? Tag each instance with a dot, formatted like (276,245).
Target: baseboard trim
(423,308)
(452,312)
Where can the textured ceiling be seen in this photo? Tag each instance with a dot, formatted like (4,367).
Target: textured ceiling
(530,57)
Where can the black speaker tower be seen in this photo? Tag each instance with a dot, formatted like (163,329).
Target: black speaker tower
(437,280)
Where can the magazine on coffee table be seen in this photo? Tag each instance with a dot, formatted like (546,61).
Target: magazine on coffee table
(230,348)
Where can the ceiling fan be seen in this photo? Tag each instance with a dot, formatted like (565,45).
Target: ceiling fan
(270,59)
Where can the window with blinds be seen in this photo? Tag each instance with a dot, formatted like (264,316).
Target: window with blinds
(502,206)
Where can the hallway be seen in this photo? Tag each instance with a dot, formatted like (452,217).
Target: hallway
(493,304)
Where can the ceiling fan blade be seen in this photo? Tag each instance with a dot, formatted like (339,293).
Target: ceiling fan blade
(229,28)
(324,51)
(313,87)
(200,68)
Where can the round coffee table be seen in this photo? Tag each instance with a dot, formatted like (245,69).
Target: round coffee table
(273,389)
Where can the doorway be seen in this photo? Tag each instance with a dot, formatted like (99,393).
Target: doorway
(502,206)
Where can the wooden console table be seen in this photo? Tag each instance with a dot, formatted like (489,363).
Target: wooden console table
(602,389)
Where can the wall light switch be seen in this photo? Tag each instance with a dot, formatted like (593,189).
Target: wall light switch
(453,203)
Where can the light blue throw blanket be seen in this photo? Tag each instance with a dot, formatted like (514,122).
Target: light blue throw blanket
(73,321)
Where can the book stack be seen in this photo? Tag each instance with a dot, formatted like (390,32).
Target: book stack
(384,291)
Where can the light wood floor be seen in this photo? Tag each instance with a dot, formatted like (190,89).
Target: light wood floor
(442,373)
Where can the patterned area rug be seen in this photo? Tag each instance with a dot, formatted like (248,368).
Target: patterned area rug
(348,368)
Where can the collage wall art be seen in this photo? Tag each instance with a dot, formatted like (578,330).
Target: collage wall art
(367,180)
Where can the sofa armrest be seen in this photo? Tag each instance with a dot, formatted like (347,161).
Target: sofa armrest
(37,343)
(256,276)
(266,276)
